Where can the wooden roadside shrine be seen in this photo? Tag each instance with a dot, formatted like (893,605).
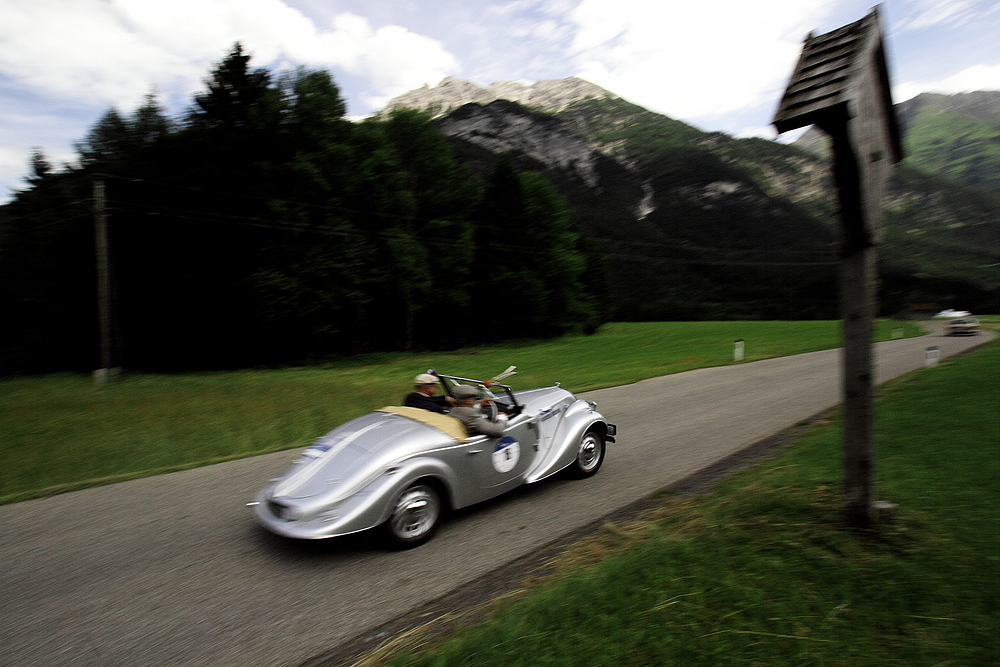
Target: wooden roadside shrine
(841,85)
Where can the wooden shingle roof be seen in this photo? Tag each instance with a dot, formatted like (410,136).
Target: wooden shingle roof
(827,72)
(820,77)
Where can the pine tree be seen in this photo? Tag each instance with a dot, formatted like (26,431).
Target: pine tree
(40,167)
(528,253)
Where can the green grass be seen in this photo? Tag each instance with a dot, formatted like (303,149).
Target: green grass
(60,432)
(763,573)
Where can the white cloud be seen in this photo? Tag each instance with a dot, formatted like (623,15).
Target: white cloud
(977,77)
(82,50)
(791,135)
(930,13)
(392,58)
(765,132)
(14,166)
(12,161)
(693,60)
(104,52)
(64,62)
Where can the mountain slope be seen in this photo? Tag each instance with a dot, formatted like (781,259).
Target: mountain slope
(696,225)
(683,234)
(956,136)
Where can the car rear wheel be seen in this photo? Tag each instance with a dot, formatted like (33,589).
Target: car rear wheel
(415,517)
(589,456)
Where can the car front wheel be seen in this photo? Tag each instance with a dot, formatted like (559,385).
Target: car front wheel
(589,456)
(415,516)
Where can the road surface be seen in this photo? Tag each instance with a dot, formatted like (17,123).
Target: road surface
(170,570)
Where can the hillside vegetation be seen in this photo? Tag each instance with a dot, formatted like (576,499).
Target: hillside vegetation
(956,136)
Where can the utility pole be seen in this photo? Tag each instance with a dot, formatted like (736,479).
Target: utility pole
(103,374)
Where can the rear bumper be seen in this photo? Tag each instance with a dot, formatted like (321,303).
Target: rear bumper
(361,511)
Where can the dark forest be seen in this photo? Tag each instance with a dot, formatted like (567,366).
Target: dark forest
(265,228)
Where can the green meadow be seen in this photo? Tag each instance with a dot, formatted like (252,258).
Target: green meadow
(61,432)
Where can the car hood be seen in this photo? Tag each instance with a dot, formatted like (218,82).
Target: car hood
(350,454)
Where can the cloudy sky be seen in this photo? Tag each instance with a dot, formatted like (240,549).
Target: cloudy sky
(717,64)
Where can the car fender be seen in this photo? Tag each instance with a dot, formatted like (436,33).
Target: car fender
(580,417)
(366,508)
(401,475)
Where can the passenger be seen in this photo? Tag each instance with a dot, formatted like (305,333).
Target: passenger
(422,396)
(471,417)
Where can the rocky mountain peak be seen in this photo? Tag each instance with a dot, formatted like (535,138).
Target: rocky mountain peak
(550,95)
(504,128)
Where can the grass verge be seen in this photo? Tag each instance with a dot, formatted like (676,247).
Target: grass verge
(762,573)
(60,433)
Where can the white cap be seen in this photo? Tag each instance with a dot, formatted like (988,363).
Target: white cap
(426,378)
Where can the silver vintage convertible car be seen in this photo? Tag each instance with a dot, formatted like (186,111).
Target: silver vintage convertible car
(400,468)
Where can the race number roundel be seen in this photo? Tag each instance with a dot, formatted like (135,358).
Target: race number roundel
(506,454)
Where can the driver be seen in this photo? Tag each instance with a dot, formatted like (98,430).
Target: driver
(465,410)
(422,396)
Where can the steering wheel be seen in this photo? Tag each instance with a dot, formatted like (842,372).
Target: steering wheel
(489,410)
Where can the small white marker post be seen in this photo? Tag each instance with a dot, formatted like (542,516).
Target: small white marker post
(931,356)
(738,350)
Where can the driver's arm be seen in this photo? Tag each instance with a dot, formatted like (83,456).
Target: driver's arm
(491,429)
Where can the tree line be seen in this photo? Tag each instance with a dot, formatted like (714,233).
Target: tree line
(263,227)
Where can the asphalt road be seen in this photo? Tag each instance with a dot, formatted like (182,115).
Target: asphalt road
(170,570)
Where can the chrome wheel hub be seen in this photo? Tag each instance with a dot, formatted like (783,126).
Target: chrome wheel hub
(416,512)
(590,452)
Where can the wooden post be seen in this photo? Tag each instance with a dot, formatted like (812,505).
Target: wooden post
(841,84)
(858,436)
(857,304)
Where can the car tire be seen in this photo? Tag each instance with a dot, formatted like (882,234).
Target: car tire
(415,516)
(589,456)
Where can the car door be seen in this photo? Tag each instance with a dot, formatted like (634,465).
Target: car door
(500,463)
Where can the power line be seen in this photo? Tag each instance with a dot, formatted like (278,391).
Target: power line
(271,199)
(288,226)
(719,262)
(646,249)
(17,218)
(679,243)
